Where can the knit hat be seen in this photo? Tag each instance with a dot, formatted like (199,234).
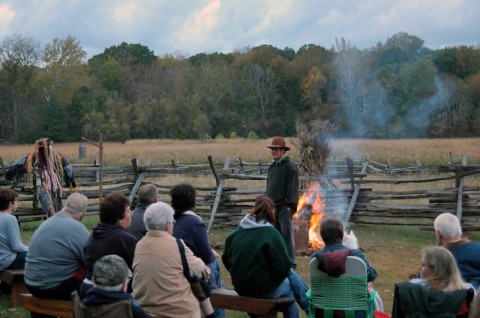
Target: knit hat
(76,203)
(110,272)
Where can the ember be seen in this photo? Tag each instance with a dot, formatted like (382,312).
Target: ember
(310,207)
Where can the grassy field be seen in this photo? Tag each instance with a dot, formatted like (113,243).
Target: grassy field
(401,152)
(393,250)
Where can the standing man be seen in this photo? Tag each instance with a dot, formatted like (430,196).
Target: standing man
(467,254)
(147,194)
(55,264)
(12,250)
(282,188)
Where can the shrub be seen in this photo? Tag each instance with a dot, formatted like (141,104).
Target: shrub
(252,135)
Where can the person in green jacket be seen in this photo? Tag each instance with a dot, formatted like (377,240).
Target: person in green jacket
(258,262)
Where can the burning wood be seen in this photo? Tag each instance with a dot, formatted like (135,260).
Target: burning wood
(309,215)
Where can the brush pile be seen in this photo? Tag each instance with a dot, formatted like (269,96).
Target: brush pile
(313,143)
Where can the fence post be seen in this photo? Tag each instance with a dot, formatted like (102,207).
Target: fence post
(82,150)
(218,194)
(350,171)
(459,185)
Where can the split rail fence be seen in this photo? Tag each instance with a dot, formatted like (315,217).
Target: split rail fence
(357,190)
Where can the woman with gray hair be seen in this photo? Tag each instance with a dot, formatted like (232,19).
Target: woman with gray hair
(159,284)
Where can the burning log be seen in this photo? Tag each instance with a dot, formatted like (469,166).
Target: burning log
(301,224)
(307,220)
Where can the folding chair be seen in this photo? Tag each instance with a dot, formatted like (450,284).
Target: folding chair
(348,294)
(421,301)
(118,309)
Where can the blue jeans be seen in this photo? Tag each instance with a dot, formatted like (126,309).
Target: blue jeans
(19,261)
(215,282)
(294,287)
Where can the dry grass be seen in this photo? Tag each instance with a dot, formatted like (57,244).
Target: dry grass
(400,152)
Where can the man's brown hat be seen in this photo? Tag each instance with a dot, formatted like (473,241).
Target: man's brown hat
(278,142)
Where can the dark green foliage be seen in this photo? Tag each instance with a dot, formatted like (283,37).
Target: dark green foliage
(396,89)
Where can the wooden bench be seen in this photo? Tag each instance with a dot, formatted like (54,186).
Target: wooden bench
(14,278)
(265,308)
(52,307)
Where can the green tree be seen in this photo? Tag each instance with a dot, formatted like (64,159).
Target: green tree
(19,58)
(65,70)
(111,76)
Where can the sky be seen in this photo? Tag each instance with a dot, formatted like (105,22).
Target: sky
(189,27)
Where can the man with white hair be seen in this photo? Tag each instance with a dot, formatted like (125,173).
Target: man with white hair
(467,254)
(55,264)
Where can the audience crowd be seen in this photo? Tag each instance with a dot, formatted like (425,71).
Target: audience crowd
(137,259)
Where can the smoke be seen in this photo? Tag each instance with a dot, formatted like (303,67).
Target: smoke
(368,110)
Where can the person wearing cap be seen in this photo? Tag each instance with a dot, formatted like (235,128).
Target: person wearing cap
(12,250)
(55,263)
(147,194)
(282,188)
(110,280)
(110,236)
(159,284)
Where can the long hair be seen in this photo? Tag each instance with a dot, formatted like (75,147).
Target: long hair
(264,209)
(446,276)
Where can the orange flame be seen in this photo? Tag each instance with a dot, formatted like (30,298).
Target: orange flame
(311,204)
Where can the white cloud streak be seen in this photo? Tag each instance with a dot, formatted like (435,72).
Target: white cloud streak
(225,25)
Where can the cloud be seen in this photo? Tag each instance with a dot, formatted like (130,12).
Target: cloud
(6,16)
(199,27)
(128,12)
(225,25)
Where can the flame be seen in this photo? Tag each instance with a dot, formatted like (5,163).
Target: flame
(311,205)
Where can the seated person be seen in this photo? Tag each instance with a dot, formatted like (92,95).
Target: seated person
(55,264)
(110,236)
(332,233)
(256,256)
(190,228)
(467,254)
(147,194)
(439,290)
(159,284)
(110,280)
(12,250)
(439,271)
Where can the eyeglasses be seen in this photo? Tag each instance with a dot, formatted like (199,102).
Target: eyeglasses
(173,222)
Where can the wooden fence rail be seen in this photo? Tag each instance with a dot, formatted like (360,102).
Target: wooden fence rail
(358,190)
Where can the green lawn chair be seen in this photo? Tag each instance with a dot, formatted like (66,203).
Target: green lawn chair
(347,293)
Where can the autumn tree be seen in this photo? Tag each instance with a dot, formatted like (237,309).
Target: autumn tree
(64,72)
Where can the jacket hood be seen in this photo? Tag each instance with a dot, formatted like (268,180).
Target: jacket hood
(103,229)
(250,222)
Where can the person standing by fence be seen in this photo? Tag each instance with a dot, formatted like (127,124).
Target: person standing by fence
(282,188)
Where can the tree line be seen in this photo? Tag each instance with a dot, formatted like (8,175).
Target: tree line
(397,89)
